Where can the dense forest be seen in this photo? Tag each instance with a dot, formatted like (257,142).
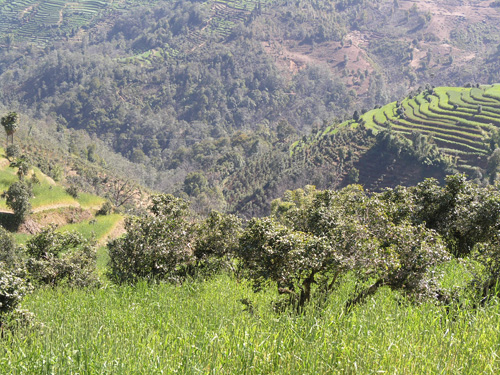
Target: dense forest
(212,90)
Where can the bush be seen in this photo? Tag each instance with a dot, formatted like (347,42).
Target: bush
(12,152)
(216,240)
(320,239)
(73,191)
(18,199)
(7,248)
(12,290)
(106,209)
(54,258)
(155,247)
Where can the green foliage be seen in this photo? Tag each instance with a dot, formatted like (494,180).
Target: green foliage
(462,212)
(195,183)
(18,199)
(334,233)
(12,152)
(55,258)
(156,246)
(8,251)
(106,209)
(217,239)
(12,290)
(72,191)
(10,125)
(22,166)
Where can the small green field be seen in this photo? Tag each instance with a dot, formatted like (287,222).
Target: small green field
(47,195)
(96,228)
(51,198)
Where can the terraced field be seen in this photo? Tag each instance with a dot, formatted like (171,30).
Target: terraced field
(42,20)
(51,204)
(460,120)
(225,15)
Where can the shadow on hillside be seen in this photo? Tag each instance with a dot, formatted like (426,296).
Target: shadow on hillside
(7,221)
(381,169)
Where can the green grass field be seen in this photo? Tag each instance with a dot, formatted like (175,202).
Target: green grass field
(96,228)
(202,328)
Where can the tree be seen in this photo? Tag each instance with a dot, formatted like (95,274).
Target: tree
(55,257)
(12,152)
(317,241)
(217,239)
(9,123)
(18,199)
(156,246)
(121,192)
(22,167)
(195,183)
(12,290)
(8,254)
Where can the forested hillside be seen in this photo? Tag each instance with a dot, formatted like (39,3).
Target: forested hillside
(201,95)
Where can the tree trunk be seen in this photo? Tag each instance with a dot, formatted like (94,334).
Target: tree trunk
(305,293)
(363,295)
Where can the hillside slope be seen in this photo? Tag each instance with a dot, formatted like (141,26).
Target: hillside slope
(53,205)
(431,133)
(197,94)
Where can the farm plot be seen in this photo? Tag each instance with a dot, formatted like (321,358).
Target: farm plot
(459,120)
(43,20)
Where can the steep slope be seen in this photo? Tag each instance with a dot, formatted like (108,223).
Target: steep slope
(195,94)
(461,121)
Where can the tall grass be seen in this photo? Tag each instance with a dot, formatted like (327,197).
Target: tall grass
(201,327)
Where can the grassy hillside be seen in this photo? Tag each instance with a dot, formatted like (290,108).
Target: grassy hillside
(213,90)
(52,204)
(461,121)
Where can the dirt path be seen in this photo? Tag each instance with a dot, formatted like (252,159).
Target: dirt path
(54,206)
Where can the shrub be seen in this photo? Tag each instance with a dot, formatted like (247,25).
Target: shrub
(7,248)
(18,199)
(73,191)
(55,257)
(12,290)
(216,240)
(337,232)
(12,152)
(106,209)
(156,246)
